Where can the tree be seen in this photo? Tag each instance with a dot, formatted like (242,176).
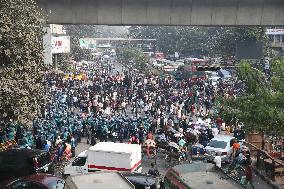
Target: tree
(21,60)
(197,41)
(260,107)
(134,56)
(89,31)
(76,32)
(222,40)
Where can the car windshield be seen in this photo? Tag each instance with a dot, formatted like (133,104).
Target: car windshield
(217,144)
(57,184)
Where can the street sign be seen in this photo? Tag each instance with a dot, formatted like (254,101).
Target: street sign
(60,44)
(274,32)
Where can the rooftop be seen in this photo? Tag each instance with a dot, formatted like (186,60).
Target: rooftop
(105,180)
(115,147)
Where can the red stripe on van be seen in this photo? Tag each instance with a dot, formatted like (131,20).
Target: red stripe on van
(114,168)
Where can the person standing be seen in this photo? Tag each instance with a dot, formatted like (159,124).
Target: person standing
(249,175)
(153,170)
(73,145)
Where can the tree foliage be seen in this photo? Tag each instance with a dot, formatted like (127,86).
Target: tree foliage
(197,40)
(134,56)
(260,107)
(89,31)
(21,60)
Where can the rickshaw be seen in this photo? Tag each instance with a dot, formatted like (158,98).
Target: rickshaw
(174,153)
(161,141)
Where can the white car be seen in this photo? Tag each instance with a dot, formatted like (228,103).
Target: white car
(219,145)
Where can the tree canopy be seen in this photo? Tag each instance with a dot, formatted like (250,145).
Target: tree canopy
(260,107)
(21,60)
(197,40)
(134,56)
(89,31)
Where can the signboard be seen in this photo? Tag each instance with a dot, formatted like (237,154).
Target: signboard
(88,43)
(60,44)
(274,31)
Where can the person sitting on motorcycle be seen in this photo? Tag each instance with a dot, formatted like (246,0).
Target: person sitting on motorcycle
(183,148)
(181,142)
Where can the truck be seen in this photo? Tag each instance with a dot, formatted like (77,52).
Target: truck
(106,156)
(105,180)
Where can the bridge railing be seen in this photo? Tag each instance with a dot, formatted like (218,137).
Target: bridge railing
(266,165)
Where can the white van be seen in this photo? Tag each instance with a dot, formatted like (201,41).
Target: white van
(107,156)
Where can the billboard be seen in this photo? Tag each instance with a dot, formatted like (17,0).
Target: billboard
(88,43)
(60,44)
(249,50)
(274,32)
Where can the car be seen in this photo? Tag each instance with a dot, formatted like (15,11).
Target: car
(18,162)
(220,144)
(225,74)
(34,181)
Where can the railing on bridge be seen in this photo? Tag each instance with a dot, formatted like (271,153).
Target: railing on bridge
(266,165)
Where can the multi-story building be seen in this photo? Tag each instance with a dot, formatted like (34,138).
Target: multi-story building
(51,32)
(276,37)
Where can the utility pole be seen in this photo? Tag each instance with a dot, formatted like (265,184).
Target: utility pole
(55,62)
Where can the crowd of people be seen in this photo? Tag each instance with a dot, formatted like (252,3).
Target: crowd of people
(121,106)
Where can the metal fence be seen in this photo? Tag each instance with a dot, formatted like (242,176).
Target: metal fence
(266,165)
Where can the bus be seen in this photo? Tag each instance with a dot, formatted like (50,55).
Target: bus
(189,69)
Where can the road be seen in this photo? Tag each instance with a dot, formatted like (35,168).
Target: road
(160,161)
(163,165)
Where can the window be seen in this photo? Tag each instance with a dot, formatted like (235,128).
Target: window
(217,144)
(57,184)
(22,184)
(79,161)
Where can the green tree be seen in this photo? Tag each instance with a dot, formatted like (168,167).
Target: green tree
(76,32)
(260,107)
(197,40)
(135,56)
(90,31)
(21,60)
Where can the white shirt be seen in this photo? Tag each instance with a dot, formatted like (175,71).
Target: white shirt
(218,161)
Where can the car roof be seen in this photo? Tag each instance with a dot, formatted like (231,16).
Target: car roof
(45,179)
(22,152)
(223,137)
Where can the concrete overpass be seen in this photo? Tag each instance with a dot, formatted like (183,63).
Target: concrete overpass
(165,12)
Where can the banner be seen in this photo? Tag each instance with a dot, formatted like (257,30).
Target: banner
(60,44)
(274,31)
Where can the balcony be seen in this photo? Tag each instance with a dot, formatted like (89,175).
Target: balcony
(277,44)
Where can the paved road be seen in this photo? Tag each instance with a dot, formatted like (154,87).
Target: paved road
(160,161)
(163,165)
